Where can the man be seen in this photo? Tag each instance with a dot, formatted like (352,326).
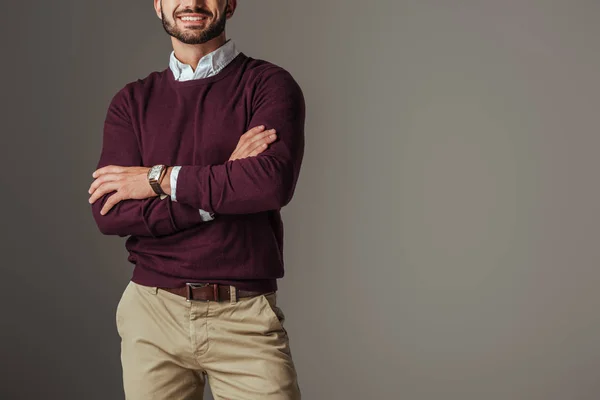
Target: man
(197,160)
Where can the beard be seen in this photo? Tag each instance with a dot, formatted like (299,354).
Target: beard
(197,35)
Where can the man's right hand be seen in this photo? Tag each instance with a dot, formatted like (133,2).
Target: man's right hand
(253,142)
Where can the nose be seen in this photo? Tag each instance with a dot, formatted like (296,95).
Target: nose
(194,5)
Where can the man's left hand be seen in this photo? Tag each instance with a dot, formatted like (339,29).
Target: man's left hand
(128,182)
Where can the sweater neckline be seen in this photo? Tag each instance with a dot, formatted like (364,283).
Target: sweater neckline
(202,81)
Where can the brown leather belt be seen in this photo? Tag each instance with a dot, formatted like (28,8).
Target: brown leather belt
(209,292)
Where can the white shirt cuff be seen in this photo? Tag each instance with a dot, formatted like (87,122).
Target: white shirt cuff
(206,216)
(173,180)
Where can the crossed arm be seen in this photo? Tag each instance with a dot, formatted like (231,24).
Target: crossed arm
(260,175)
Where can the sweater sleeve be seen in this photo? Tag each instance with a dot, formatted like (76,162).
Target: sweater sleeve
(263,182)
(155,216)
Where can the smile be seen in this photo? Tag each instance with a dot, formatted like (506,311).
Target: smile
(193,19)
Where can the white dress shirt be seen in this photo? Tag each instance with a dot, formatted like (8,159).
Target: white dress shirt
(209,65)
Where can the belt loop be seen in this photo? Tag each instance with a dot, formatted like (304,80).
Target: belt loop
(232,294)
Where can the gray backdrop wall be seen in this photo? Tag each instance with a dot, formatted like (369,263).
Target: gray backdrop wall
(446,220)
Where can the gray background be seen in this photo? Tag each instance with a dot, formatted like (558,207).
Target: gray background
(443,242)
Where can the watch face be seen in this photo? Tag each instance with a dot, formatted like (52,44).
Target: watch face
(154,172)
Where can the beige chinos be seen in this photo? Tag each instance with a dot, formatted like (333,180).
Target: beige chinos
(170,346)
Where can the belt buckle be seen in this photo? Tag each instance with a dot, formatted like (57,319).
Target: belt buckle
(189,286)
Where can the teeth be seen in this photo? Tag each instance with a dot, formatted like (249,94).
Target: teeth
(192,18)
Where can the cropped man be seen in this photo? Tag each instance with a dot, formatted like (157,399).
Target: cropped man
(197,161)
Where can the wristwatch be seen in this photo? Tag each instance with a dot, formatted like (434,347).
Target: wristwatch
(155,177)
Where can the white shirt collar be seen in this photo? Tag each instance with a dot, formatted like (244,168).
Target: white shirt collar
(209,65)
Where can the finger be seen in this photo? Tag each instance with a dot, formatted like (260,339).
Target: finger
(110,203)
(244,141)
(258,149)
(102,190)
(265,140)
(263,143)
(249,134)
(270,134)
(254,131)
(102,179)
(109,169)
(247,147)
(233,157)
(254,148)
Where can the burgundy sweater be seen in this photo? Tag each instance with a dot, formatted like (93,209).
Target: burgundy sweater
(197,124)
